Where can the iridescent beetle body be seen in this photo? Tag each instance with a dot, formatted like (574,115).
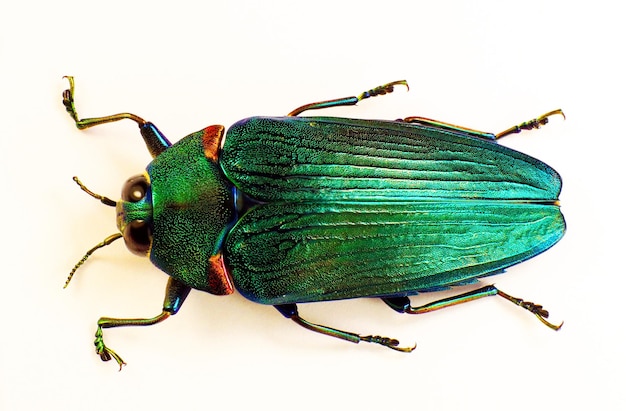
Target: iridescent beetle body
(289,210)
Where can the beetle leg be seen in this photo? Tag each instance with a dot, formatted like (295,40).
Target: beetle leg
(536,309)
(105,352)
(175,295)
(398,304)
(535,123)
(155,140)
(448,126)
(403,304)
(350,101)
(527,125)
(291,311)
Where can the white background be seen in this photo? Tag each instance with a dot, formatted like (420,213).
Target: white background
(484,64)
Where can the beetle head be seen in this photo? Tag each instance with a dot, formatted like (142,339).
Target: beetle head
(134,218)
(134,214)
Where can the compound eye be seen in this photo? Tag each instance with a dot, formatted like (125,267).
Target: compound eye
(138,237)
(135,189)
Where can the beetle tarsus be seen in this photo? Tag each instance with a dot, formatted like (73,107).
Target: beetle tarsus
(535,123)
(68,100)
(105,352)
(382,90)
(536,309)
(387,342)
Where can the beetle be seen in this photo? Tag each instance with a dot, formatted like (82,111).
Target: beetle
(293,209)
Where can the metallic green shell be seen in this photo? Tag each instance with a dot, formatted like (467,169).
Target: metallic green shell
(331,159)
(297,252)
(358,208)
(192,211)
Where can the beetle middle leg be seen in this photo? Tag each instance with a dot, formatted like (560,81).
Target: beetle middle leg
(403,304)
(175,295)
(350,101)
(291,311)
(154,139)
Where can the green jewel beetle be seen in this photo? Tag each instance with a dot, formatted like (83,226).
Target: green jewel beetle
(292,209)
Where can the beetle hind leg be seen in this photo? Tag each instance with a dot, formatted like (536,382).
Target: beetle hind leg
(536,309)
(291,311)
(527,125)
(403,304)
(535,123)
(424,121)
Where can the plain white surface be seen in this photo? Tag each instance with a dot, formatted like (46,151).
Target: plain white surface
(485,64)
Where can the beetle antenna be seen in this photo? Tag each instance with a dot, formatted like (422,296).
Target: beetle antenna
(105,242)
(104,200)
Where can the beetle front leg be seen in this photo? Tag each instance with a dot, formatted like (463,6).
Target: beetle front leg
(154,139)
(105,352)
(291,311)
(175,295)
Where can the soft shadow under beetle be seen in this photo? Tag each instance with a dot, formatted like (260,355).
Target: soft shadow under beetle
(294,209)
